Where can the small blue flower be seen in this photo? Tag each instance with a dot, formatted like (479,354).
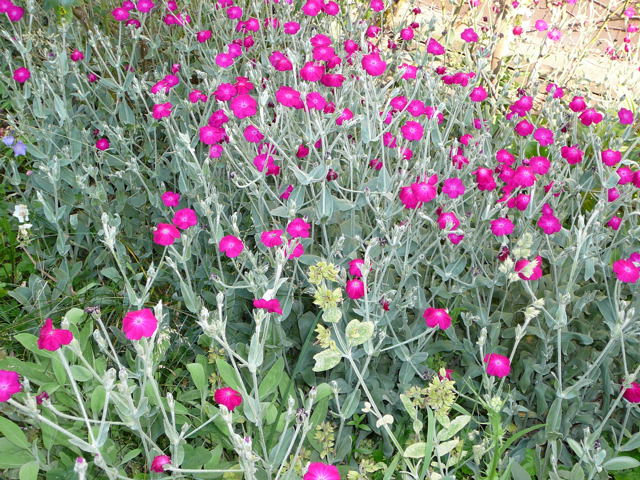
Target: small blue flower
(19,149)
(8,140)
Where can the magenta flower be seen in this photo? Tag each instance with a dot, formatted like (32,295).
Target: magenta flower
(626,271)
(408,198)
(225,92)
(355,289)
(497,365)
(21,74)
(298,249)
(252,134)
(289,97)
(614,222)
(625,174)
(312,72)
(322,471)
(437,317)
(577,104)
(185,218)
(455,238)
(611,157)
(9,384)
(544,136)
(453,187)
(373,64)
(354,267)
(271,306)
(549,223)
(613,194)
(76,55)
(332,80)
(298,228)
(434,47)
(344,116)
(286,193)
(524,128)
(323,53)
(448,221)
(52,339)
(231,246)
(423,191)
(139,323)
(102,144)
(469,35)
(210,135)
(590,116)
(14,12)
(539,165)
(120,14)
(312,7)
(631,394)
(484,179)
(203,35)
(243,106)
(291,28)
(315,101)
(410,71)
(555,89)
(554,35)
(412,131)
(625,116)
(145,6)
(170,199)
(280,62)
(215,151)
(478,94)
(572,154)
(224,60)
(228,397)
(501,226)
(407,34)
(158,463)
(376,6)
(522,106)
(537,269)
(272,238)
(161,110)
(165,234)
(541,25)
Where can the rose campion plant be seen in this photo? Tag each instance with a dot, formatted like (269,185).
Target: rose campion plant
(317,243)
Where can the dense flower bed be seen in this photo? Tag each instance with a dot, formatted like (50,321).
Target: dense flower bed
(277,241)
